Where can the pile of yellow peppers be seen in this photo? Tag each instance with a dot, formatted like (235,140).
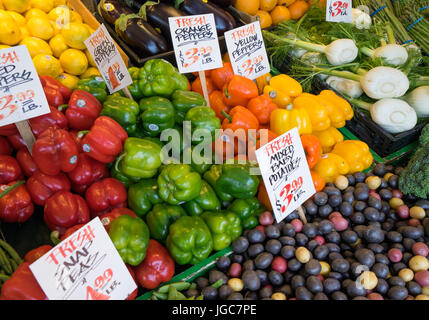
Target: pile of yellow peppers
(320,115)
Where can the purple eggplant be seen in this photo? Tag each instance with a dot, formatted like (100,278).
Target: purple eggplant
(222,3)
(135,4)
(157,15)
(223,19)
(111,10)
(140,35)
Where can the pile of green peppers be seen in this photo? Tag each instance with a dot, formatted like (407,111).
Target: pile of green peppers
(193,208)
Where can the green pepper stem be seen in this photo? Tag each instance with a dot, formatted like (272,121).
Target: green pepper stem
(80,134)
(118,159)
(4,277)
(63,107)
(55,237)
(226,115)
(16,185)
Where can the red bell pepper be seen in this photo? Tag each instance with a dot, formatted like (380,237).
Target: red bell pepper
(107,218)
(261,107)
(5,147)
(64,210)
(22,285)
(8,130)
(16,141)
(15,202)
(240,118)
(87,171)
(83,109)
(105,195)
(105,140)
(55,92)
(36,253)
(313,149)
(53,119)
(133,294)
(26,162)
(55,151)
(156,268)
(42,186)
(70,231)
(9,169)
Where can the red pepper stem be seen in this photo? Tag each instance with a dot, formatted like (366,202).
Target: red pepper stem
(80,134)
(55,237)
(9,189)
(226,115)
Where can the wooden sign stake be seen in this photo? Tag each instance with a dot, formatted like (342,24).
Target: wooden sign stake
(128,93)
(202,75)
(26,134)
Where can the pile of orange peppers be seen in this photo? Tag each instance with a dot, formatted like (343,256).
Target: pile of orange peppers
(278,103)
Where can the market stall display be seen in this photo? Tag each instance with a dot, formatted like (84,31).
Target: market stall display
(196,225)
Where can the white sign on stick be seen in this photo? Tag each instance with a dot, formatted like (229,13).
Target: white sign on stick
(108,60)
(247,52)
(84,266)
(21,93)
(286,174)
(339,11)
(195,43)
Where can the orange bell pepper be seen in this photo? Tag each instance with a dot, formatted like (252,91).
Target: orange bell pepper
(238,90)
(318,181)
(261,107)
(263,196)
(196,86)
(217,104)
(263,81)
(312,148)
(220,75)
(240,118)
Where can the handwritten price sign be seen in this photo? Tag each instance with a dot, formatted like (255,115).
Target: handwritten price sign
(21,93)
(285,171)
(247,52)
(339,11)
(108,60)
(195,43)
(85,266)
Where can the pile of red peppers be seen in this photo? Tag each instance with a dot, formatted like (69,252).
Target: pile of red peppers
(66,175)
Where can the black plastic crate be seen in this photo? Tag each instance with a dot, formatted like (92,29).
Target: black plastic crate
(362,126)
(137,59)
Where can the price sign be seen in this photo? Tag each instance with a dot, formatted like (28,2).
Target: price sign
(108,60)
(247,52)
(21,93)
(85,266)
(339,11)
(195,43)
(286,174)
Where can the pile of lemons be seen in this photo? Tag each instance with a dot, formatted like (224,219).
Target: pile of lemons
(54,35)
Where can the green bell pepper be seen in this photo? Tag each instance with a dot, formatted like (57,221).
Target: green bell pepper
(178,183)
(211,176)
(130,237)
(206,201)
(237,181)
(160,218)
(135,90)
(189,240)
(199,162)
(134,72)
(157,115)
(123,110)
(155,78)
(140,158)
(142,196)
(94,85)
(248,210)
(225,227)
(181,81)
(116,173)
(204,122)
(183,101)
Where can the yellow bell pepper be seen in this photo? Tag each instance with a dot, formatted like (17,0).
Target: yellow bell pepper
(317,112)
(329,138)
(356,153)
(335,112)
(330,166)
(340,102)
(282,89)
(282,120)
(262,82)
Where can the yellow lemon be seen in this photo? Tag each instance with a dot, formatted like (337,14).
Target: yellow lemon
(75,17)
(18,18)
(3,46)
(35,12)
(40,28)
(64,15)
(90,72)
(24,32)
(75,34)
(70,81)
(91,31)
(58,45)
(74,62)
(10,33)
(17,5)
(90,60)
(36,46)
(47,65)
(44,5)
